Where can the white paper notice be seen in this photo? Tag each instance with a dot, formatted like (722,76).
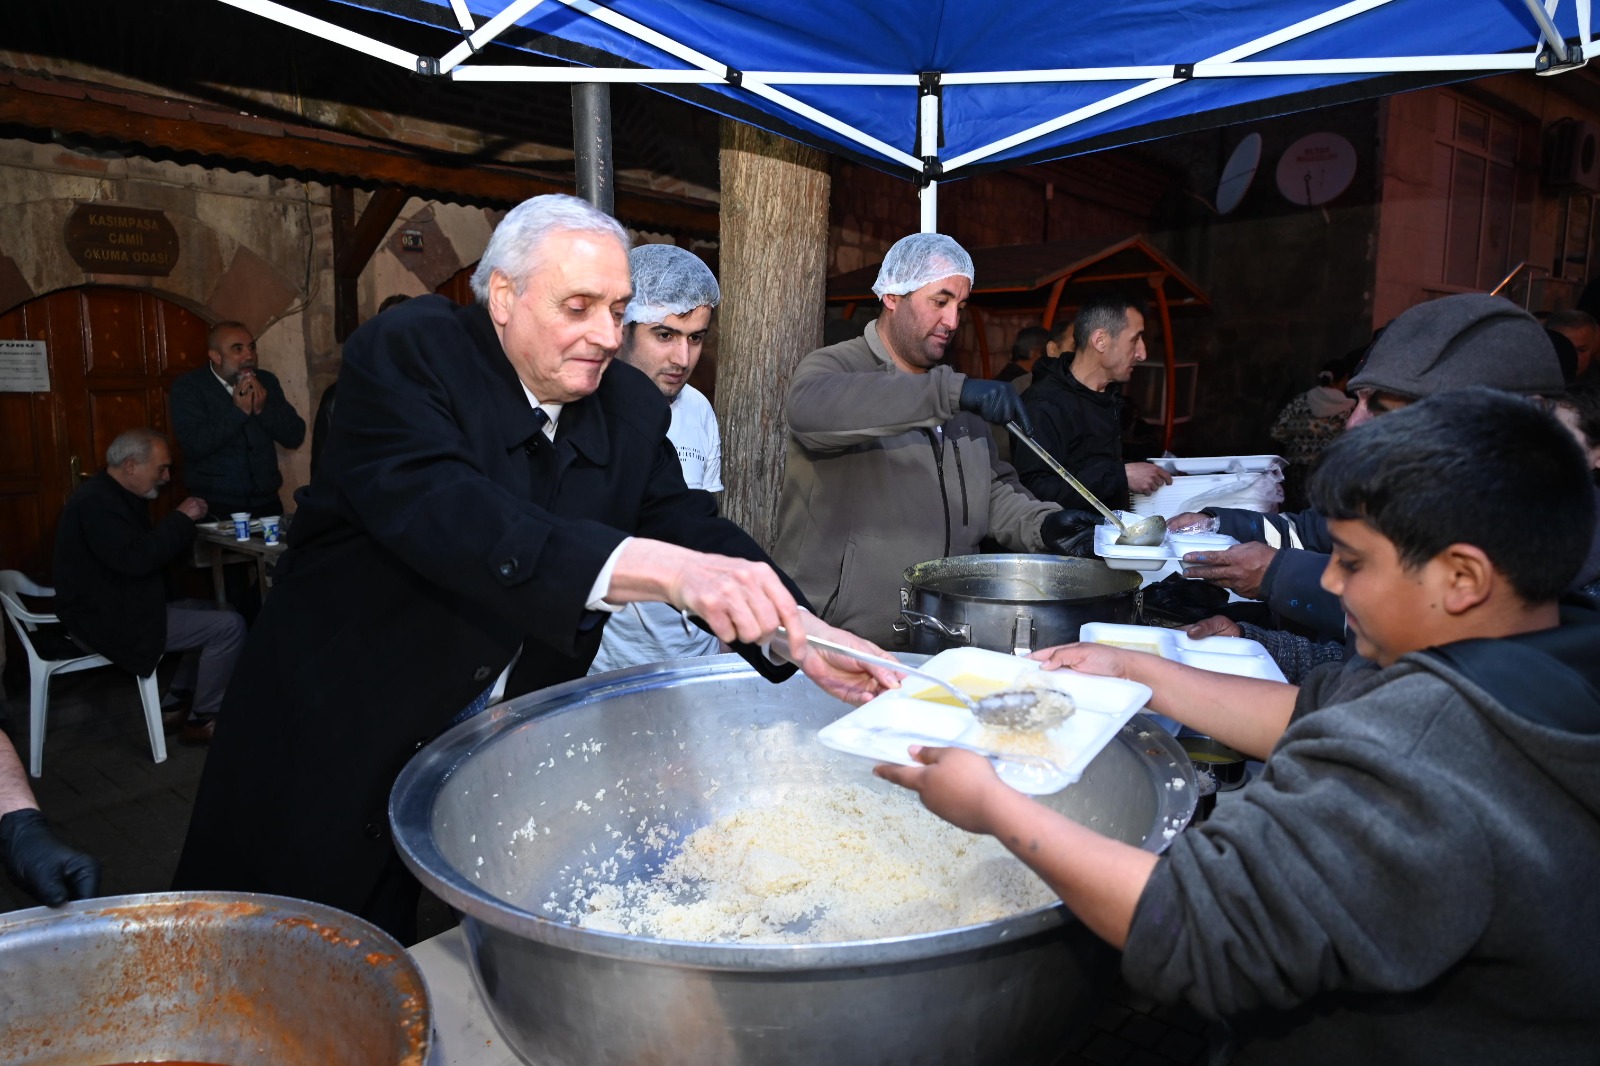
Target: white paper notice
(24,366)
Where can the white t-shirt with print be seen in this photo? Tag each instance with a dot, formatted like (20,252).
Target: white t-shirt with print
(656,632)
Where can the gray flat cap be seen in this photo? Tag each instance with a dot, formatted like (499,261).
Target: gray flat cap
(1456,342)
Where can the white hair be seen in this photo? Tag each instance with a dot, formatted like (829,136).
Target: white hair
(516,243)
(132,444)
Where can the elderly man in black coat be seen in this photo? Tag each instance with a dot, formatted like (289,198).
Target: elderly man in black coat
(492,488)
(111,587)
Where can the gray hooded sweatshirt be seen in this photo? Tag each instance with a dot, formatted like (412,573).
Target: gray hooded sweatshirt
(1413,877)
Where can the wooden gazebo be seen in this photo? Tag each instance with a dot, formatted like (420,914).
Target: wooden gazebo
(1048,279)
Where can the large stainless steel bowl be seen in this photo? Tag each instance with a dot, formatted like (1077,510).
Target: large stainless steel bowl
(247,980)
(686,743)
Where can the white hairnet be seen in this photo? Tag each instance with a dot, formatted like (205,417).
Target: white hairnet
(668,280)
(921,258)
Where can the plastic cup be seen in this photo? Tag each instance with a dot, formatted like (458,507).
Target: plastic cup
(241,525)
(269,528)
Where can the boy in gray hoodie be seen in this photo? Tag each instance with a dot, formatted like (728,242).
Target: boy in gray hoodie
(1410,879)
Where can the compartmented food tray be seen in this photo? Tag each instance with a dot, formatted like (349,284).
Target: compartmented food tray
(1224,655)
(1175,546)
(882,728)
(1219,464)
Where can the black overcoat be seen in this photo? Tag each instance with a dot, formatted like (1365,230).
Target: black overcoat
(441,532)
(110,572)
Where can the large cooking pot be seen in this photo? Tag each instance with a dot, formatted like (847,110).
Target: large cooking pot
(247,980)
(1010,603)
(683,744)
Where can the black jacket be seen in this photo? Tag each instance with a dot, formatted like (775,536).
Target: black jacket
(229,457)
(1082,429)
(111,590)
(441,532)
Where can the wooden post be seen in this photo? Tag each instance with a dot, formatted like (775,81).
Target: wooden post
(1169,419)
(773,265)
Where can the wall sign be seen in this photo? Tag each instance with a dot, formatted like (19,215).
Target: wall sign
(107,239)
(24,366)
(1316,168)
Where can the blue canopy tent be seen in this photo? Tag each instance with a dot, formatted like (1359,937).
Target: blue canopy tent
(937,91)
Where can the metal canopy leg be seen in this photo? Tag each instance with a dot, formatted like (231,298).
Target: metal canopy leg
(591,144)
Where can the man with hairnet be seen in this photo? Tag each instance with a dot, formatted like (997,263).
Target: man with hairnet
(663,331)
(890,462)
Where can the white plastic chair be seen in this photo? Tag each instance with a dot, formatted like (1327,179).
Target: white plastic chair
(13,586)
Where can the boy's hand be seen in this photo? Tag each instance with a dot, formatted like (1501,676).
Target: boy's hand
(1089,658)
(1218,625)
(954,784)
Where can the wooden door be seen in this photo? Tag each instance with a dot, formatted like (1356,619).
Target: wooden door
(114,354)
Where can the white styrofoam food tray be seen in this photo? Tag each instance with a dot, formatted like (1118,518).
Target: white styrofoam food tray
(1218,464)
(1224,655)
(882,728)
(1132,557)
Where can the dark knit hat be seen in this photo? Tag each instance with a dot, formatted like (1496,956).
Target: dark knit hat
(1456,342)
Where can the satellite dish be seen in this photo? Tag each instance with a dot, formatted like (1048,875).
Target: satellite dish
(1237,175)
(1316,168)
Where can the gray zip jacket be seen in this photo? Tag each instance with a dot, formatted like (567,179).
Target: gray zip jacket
(884,471)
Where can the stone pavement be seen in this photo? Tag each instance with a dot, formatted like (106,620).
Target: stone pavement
(103,794)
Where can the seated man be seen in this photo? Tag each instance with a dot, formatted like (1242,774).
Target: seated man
(663,330)
(1077,406)
(1409,880)
(111,591)
(40,864)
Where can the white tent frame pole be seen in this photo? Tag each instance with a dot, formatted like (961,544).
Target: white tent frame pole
(928,145)
(710,71)
(612,75)
(704,62)
(1547,28)
(1252,69)
(463,16)
(1271,40)
(388,53)
(485,33)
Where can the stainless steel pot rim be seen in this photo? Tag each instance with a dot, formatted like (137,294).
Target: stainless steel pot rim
(416,790)
(914,576)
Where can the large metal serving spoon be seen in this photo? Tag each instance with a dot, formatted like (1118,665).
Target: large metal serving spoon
(1007,710)
(1145,533)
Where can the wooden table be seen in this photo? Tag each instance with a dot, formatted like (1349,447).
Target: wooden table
(215,546)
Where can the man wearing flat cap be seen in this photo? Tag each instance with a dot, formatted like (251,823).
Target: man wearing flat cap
(890,460)
(1454,342)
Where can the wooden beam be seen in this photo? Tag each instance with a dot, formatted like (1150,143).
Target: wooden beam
(142,122)
(354,241)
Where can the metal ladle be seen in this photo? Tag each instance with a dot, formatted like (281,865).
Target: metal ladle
(1004,709)
(1145,533)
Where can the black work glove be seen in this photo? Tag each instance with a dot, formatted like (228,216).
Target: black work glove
(43,866)
(995,401)
(1070,533)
